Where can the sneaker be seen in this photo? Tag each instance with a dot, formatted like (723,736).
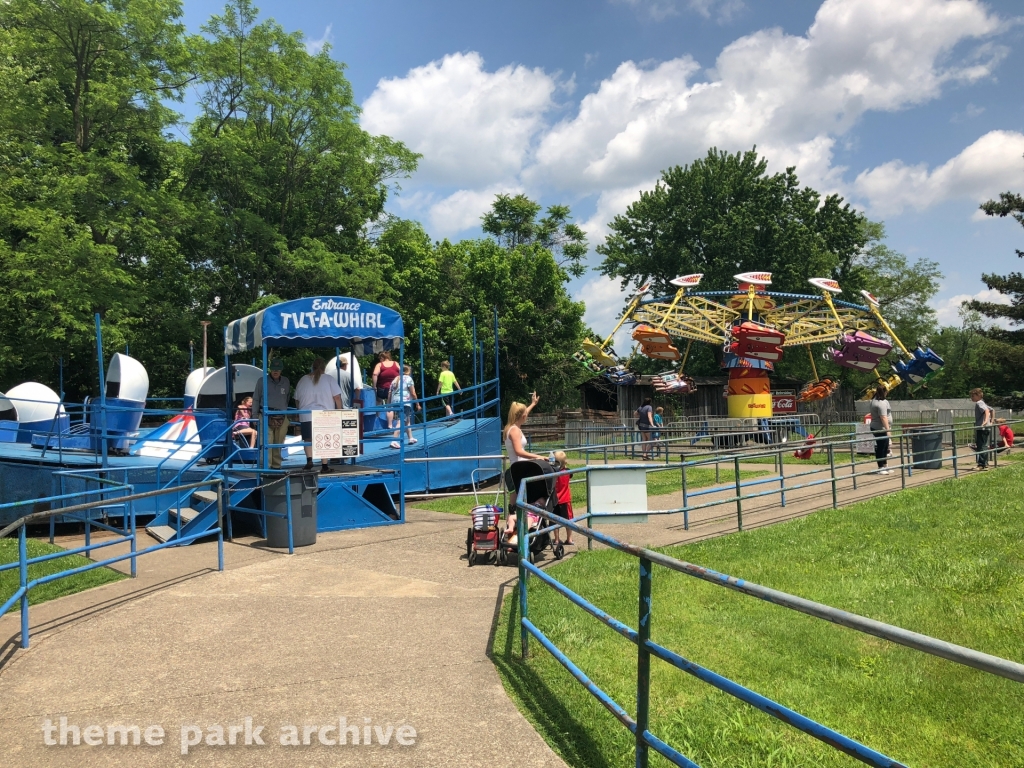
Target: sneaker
(413,440)
(885,471)
(325,469)
(395,444)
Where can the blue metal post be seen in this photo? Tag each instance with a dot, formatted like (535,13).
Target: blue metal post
(288,507)
(229,396)
(497,372)
(23,583)
(191,356)
(476,382)
(103,391)
(134,541)
(524,550)
(264,419)
(686,503)
(739,496)
(401,431)
(60,371)
(423,384)
(220,525)
(643,664)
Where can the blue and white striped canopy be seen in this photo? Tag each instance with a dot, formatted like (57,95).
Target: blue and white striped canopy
(322,321)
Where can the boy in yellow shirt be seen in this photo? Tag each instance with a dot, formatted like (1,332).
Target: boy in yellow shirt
(446,384)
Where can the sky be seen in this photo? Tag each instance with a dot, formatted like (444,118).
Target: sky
(913,111)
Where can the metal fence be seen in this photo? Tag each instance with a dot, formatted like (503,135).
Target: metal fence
(638,725)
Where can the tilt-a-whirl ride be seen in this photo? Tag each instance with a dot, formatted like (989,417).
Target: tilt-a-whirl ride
(753,326)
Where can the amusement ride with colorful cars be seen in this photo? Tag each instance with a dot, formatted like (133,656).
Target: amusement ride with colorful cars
(753,326)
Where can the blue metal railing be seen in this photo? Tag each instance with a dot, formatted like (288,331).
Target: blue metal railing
(128,533)
(646,648)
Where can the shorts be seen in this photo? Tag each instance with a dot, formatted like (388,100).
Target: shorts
(563,510)
(382,396)
(306,428)
(448,398)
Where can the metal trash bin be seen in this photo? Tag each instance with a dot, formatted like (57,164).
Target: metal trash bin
(925,445)
(275,499)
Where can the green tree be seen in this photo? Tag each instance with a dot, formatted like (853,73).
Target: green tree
(84,212)
(513,222)
(1012,285)
(445,285)
(286,178)
(724,214)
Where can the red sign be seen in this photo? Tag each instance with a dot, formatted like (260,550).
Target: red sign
(784,401)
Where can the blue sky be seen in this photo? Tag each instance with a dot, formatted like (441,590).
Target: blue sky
(912,110)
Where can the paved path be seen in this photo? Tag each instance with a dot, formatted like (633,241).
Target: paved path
(387,624)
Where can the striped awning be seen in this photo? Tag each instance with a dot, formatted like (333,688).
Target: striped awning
(323,321)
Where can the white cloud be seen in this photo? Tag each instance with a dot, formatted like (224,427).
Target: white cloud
(314,47)
(948,310)
(724,10)
(473,127)
(767,88)
(462,210)
(992,164)
(793,96)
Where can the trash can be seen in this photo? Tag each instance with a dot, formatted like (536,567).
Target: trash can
(275,499)
(925,445)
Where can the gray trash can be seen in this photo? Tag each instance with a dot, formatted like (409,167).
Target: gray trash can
(303,492)
(925,445)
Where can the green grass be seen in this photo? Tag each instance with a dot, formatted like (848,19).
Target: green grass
(60,587)
(945,560)
(658,484)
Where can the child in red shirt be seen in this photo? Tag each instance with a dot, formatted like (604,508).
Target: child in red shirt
(563,494)
(1005,435)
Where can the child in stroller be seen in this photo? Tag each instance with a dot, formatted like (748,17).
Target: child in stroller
(539,493)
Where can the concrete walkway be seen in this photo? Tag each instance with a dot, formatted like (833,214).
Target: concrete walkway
(384,627)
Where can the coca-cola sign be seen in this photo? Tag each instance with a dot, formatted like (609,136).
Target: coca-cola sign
(784,401)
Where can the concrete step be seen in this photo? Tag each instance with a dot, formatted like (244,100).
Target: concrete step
(161,532)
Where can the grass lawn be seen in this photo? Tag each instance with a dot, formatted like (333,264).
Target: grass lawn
(946,560)
(58,588)
(658,484)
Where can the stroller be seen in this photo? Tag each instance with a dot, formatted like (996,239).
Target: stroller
(540,493)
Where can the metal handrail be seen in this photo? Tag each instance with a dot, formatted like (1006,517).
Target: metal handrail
(646,648)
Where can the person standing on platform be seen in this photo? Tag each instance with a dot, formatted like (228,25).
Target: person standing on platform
(315,392)
(446,385)
(351,386)
(384,373)
(880,424)
(982,429)
(276,400)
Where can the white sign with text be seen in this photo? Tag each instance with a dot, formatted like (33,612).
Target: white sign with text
(335,434)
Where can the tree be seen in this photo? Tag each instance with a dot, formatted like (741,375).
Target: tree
(84,212)
(513,222)
(446,284)
(287,178)
(724,214)
(1012,285)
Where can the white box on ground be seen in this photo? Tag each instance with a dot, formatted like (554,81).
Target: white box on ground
(335,434)
(618,495)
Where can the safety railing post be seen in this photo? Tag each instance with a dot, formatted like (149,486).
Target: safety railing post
(739,495)
(952,436)
(903,463)
(686,503)
(782,479)
(288,510)
(521,529)
(853,465)
(832,470)
(718,476)
(134,536)
(643,664)
(23,583)
(220,525)
(992,447)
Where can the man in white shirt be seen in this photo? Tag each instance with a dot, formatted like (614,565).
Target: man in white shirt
(315,392)
(347,381)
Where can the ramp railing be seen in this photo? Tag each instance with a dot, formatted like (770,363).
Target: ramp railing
(639,723)
(126,534)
